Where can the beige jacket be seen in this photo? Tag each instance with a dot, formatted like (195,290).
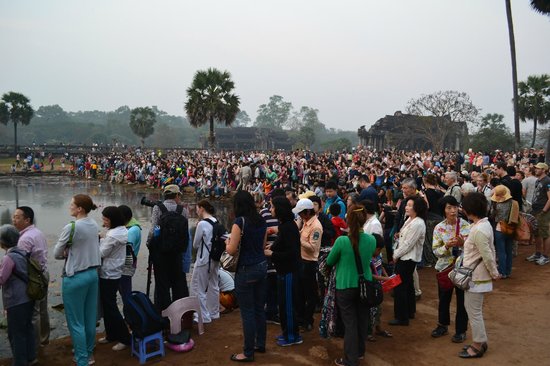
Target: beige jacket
(480,245)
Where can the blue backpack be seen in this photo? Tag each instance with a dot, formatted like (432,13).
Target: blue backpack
(142,316)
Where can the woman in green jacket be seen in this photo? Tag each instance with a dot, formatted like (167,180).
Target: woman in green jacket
(354,315)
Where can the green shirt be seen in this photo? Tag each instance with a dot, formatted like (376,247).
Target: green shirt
(342,255)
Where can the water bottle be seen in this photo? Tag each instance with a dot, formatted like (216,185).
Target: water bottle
(156,231)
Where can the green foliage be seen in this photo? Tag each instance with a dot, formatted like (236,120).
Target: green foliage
(15,107)
(273,114)
(142,120)
(337,145)
(242,119)
(534,101)
(210,98)
(492,134)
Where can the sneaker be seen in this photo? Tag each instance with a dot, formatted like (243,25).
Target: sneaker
(119,347)
(280,337)
(533,257)
(543,260)
(440,331)
(285,343)
(459,338)
(103,340)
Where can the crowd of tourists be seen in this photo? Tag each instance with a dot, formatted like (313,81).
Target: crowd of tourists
(306,224)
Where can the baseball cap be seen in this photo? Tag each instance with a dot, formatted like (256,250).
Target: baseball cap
(171,188)
(543,166)
(303,204)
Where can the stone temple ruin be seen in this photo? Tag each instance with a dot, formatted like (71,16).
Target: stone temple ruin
(410,132)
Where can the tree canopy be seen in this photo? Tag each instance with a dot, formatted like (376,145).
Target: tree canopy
(274,114)
(456,105)
(534,101)
(210,98)
(492,134)
(15,107)
(142,121)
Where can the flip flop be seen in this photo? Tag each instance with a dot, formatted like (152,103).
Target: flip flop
(384,333)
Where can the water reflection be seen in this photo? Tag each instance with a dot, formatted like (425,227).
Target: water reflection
(49,197)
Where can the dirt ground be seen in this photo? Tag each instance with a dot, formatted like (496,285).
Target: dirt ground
(517,319)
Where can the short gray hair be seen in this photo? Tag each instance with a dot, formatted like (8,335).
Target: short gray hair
(9,236)
(452,175)
(409,182)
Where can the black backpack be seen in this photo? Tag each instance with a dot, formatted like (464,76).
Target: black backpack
(142,316)
(174,236)
(218,240)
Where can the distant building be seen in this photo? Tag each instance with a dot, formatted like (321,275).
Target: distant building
(410,132)
(250,138)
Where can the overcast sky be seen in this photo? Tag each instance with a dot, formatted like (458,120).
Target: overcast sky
(355,61)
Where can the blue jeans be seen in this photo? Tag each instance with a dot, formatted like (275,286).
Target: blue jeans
(250,288)
(80,294)
(504,245)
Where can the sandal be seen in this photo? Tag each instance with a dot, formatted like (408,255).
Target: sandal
(245,359)
(478,353)
(371,338)
(384,333)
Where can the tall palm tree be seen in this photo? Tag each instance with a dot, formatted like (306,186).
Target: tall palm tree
(142,120)
(534,101)
(210,98)
(15,107)
(514,71)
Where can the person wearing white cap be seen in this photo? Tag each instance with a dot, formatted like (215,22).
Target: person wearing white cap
(310,244)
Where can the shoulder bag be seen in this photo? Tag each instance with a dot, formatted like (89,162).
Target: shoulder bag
(229,262)
(370,292)
(461,276)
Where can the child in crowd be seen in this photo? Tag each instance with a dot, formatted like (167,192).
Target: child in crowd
(340,225)
(378,274)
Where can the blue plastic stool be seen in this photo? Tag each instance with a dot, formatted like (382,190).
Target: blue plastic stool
(139,346)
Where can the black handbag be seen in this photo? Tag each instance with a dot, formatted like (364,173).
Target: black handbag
(370,292)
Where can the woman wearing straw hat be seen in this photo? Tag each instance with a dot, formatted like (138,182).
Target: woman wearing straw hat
(505,215)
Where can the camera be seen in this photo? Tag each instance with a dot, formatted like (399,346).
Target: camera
(145,202)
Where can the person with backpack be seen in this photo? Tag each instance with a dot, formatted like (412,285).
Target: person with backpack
(331,191)
(19,307)
(132,250)
(204,282)
(33,241)
(113,254)
(167,242)
(78,246)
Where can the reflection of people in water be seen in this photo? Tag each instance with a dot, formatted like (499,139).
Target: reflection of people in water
(228,301)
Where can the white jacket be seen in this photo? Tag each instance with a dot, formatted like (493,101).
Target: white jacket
(113,253)
(411,240)
(203,241)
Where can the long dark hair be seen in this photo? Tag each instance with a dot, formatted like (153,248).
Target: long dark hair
(283,209)
(243,205)
(357,216)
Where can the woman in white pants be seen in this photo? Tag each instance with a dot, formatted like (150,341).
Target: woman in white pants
(204,282)
(479,253)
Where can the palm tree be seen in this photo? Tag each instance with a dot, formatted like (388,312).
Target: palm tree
(210,98)
(541,6)
(534,101)
(142,120)
(15,107)
(514,71)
